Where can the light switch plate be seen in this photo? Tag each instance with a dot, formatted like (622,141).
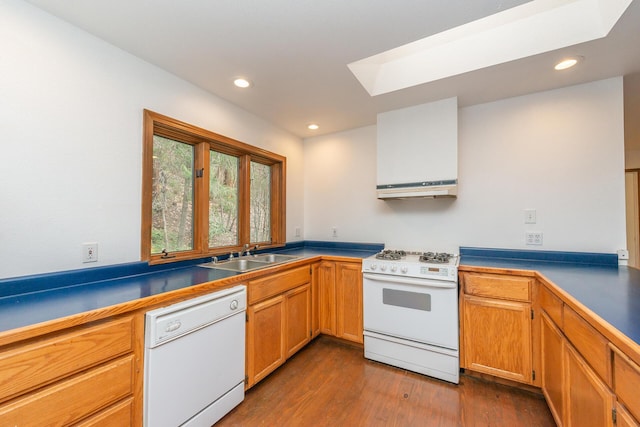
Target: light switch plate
(89,252)
(529,216)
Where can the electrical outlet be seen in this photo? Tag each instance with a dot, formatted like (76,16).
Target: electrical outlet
(297,231)
(623,254)
(533,238)
(89,252)
(529,216)
(334,232)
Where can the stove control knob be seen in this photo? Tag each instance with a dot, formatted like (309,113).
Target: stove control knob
(394,268)
(404,269)
(383,267)
(373,267)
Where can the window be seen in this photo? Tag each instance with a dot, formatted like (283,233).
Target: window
(205,194)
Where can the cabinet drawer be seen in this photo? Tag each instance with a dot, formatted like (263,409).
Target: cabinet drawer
(42,362)
(117,415)
(73,399)
(592,346)
(498,286)
(275,284)
(626,379)
(552,305)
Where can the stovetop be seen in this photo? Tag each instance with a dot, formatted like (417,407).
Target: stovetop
(417,264)
(426,257)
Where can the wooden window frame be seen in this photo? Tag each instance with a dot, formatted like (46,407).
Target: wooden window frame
(204,141)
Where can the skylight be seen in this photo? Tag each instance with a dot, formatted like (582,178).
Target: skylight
(532,28)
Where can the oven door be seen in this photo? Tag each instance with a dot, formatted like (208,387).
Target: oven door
(420,310)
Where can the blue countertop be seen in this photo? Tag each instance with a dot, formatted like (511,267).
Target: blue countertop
(30,300)
(34,307)
(609,291)
(595,280)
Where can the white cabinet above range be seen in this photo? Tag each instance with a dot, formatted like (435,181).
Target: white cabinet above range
(418,151)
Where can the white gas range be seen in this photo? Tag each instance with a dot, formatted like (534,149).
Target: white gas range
(410,304)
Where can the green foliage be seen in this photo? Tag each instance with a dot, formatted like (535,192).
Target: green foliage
(172,198)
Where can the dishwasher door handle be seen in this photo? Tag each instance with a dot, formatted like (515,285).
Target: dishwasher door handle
(171,327)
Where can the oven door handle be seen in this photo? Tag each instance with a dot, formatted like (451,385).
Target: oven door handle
(426,283)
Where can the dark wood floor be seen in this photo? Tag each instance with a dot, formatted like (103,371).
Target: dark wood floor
(329,383)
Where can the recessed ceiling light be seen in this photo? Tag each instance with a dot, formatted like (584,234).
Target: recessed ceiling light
(567,63)
(240,82)
(313,126)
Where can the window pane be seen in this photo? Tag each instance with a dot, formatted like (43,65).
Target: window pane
(260,210)
(172,196)
(223,200)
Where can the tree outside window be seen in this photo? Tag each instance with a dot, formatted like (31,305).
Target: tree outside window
(206,194)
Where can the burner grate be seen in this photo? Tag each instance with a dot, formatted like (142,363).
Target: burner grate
(392,255)
(436,257)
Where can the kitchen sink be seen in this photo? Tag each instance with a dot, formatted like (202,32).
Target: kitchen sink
(274,258)
(251,262)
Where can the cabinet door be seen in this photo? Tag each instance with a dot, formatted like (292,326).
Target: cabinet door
(298,324)
(497,338)
(589,401)
(624,418)
(265,340)
(327,297)
(552,367)
(349,301)
(626,378)
(315,300)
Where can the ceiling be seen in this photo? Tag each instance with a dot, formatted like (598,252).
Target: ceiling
(295,53)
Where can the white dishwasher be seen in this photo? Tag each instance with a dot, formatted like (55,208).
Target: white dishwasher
(194,359)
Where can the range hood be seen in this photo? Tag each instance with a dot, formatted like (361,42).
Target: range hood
(417,151)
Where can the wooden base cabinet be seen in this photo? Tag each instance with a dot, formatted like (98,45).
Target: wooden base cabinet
(265,338)
(589,401)
(349,311)
(325,277)
(552,349)
(297,319)
(497,326)
(87,375)
(278,321)
(340,300)
(626,386)
(575,367)
(624,418)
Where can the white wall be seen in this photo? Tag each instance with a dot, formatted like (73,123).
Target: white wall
(71,119)
(560,152)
